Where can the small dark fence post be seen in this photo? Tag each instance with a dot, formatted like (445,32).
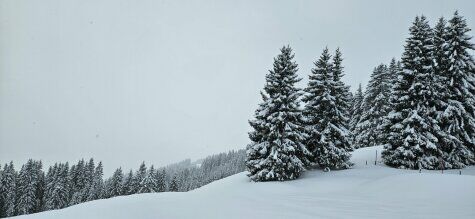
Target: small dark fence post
(376,158)
(441,164)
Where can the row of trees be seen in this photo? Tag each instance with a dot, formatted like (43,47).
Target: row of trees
(32,190)
(421,108)
(287,138)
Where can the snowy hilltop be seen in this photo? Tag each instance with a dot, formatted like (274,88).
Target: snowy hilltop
(364,191)
(403,147)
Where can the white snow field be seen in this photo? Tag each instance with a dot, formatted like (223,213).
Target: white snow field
(366,191)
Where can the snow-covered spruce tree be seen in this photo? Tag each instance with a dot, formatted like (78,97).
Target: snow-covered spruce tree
(137,179)
(149,183)
(375,108)
(97,184)
(196,178)
(49,185)
(356,112)
(77,182)
(115,187)
(8,190)
(83,181)
(128,183)
(174,185)
(394,70)
(27,188)
(89,177)
(57,187)
(161,180)
(106,191)
(456,72)
(412,141)
(184,180)
(327,135)
(64,185)
(277,151)
(342,94)
(40,187)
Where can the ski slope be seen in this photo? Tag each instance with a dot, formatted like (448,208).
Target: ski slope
(366,191)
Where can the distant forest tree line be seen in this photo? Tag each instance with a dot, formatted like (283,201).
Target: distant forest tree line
(32,190)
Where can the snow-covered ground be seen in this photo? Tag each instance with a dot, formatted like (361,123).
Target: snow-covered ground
(366,191)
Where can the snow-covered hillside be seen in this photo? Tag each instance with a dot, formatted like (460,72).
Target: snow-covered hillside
(366,191)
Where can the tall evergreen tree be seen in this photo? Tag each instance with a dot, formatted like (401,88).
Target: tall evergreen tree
(27,188)
(8,190)
(174,185)
(413,130)
(356,113)
(327,135)
(184,180)
(89,177)
(161,180)
(39,186)
(139,176)
(82,178)
(277,151)
(456,70)
(342,94)
(97,185)
(375,108)
(57,187)
(128,184)
(50,175)
(77,182)
(394,70)
(149,184)
(115,187)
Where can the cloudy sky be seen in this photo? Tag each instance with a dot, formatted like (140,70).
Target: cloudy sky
(159,81)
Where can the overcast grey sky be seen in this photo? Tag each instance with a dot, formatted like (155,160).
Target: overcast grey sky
(124,81)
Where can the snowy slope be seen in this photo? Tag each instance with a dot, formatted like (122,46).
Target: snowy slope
(366,191)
